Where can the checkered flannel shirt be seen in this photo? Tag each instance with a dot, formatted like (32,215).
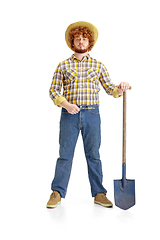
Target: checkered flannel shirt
(80,80)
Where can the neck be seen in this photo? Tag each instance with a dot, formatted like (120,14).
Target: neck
(80,56)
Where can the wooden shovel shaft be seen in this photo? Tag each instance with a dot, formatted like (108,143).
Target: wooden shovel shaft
(124,125)
(124,128)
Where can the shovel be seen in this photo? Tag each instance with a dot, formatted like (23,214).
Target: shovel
(124,189)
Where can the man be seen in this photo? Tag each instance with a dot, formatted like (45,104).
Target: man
(80,76)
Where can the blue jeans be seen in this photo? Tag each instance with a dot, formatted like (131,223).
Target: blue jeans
(88,122)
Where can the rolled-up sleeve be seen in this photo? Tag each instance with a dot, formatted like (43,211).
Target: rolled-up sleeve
(56,86)
(107,84)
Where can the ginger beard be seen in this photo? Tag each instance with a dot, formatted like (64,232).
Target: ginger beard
(81,50)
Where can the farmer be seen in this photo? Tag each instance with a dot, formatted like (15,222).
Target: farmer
(80,76)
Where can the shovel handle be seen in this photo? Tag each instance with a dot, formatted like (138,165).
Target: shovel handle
(124,128)
(124,125)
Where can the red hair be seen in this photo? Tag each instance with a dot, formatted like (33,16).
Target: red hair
(85,32)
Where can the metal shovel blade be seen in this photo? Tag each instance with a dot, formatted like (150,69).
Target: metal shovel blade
(124,193)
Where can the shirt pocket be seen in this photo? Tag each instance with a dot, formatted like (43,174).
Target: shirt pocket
(69,81)
(70,75)
(92,76)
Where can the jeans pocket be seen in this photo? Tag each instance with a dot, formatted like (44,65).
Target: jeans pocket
(94,110)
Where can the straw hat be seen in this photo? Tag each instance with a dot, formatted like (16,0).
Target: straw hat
(91,27)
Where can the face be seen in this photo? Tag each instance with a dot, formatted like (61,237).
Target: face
(81,44)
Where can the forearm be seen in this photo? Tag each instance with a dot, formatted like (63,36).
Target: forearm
(56,85)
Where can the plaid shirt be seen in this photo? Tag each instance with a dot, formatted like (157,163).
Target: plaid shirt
(80,80)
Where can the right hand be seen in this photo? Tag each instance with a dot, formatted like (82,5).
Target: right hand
(72,108)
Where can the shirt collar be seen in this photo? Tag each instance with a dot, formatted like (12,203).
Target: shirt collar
(86,57)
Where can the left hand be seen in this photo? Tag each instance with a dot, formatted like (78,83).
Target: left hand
(124,87)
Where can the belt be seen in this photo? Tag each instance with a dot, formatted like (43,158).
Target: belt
(86,107)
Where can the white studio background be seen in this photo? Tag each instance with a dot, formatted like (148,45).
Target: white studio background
(32,45)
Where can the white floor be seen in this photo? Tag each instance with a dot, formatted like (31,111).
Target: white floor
(24,216)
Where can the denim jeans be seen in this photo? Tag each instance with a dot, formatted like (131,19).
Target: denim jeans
(87,120)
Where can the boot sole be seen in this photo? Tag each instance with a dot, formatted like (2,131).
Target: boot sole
(53,206)
(104,205)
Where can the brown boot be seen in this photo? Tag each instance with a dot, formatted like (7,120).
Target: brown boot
(101,199)
(55,200)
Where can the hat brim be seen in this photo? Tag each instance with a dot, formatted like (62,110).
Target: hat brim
(91,27)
